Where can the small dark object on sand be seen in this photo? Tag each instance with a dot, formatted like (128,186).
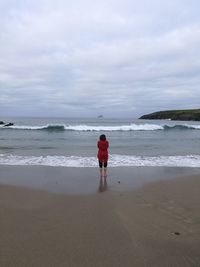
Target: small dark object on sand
(176,233)
(118,182)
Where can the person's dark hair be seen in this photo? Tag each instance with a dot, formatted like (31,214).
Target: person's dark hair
(102,137)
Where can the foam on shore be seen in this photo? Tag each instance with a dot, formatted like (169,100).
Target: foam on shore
(114,161)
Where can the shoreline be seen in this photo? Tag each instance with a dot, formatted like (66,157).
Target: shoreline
(151,220)
(83,181)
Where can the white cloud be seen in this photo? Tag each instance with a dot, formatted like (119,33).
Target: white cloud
(93,56)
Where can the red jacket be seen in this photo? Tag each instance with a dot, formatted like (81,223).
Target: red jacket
(103,150)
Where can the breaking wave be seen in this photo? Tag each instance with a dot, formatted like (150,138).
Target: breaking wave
(48,127)
(114,161)
(182,127)
(111,128)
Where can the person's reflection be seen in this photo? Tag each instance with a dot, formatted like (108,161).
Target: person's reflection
(103,184)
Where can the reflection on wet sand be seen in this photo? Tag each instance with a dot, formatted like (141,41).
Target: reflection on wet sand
(103,186)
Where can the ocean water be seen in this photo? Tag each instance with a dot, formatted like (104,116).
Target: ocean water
(72,142)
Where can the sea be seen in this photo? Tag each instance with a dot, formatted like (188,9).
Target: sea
(72,142)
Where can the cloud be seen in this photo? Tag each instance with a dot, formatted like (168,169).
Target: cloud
(90,57)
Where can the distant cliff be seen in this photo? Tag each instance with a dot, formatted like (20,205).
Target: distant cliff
(182,115)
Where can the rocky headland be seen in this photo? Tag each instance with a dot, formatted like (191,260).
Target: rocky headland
(181,115)
(4,124)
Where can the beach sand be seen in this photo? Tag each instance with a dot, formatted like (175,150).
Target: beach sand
(152,223)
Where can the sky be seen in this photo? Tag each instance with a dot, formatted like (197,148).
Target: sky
(117,58)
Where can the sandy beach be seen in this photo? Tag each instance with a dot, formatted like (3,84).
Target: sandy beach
(141,217)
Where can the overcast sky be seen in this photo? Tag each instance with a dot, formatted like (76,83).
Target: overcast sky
(86,58)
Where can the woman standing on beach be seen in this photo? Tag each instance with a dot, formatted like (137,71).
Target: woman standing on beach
(102,155)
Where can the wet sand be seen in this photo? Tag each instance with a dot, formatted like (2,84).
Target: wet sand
(152,223)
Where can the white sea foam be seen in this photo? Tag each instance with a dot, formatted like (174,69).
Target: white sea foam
(82,127)
(114,161)
(28,127)
(193,126)
(109,128)
(131,127)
